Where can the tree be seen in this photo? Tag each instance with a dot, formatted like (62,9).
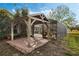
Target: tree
(70,22)
(62,14)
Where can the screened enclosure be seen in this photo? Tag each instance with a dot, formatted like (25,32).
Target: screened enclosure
(58,30)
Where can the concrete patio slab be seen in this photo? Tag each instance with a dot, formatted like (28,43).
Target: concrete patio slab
(21,44)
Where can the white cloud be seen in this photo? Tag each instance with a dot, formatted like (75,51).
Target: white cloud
(45,11)
(13,10)
(33,12)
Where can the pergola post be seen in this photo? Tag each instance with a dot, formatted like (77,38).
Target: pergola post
(32,30)
(29,32)
(29,27)
(43,30)
(18,29)
(48,32)
(12,31)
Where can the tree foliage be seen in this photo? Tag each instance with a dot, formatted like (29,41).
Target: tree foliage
(62,14)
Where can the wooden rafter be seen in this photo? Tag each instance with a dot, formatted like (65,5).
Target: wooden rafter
(37,19)
(33,22)
(25,22)
(42,16)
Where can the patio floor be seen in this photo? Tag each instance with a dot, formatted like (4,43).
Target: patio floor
(21,44)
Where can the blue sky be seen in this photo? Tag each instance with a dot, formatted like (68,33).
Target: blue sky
(42,7)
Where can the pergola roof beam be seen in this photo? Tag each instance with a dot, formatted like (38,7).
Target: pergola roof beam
(37,19)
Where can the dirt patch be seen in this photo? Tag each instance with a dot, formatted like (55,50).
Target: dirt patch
(7,50)
(50,49)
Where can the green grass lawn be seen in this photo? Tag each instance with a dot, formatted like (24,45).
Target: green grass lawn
(73,43)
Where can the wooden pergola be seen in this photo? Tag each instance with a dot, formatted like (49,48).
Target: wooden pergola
(30,21)
(27,45)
